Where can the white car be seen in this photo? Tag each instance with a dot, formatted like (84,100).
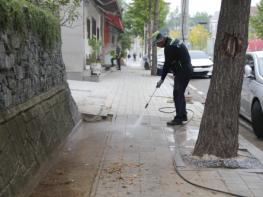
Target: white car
(202,64)
(251,103)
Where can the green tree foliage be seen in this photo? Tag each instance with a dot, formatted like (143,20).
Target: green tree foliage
(257,20)
(198,37)
(137,14)
(66,10)
(95,46)
(125,42)
(174,33)
(21,15)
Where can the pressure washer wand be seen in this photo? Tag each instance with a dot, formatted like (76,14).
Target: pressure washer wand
(150,99)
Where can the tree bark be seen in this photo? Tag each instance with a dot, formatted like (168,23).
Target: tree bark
(145,38)
(218,133)
(155,28)
(149,32)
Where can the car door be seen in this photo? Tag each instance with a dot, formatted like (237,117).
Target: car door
(245,101)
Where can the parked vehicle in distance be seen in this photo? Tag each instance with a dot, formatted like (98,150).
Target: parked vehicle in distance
(202,64)
(251,102)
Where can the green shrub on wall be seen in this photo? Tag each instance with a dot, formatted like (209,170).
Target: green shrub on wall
(22,16)
(95,46)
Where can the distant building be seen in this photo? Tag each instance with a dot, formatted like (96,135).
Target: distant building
(213,30)
(100,19)
(253,11)
(255,45)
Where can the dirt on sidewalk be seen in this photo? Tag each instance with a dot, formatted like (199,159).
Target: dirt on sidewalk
(78,164)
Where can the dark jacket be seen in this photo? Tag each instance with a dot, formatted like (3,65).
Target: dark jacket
(177,59)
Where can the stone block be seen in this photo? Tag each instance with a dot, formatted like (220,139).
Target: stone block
(7,62)
(11,83)
(2,48)
(19,72)
(8,164)
(7,97)
(27,115)
(15,41)
(6,192)
(4,137)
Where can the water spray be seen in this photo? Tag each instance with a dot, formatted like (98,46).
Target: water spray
(150,98)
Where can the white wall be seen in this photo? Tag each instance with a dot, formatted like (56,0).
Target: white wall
(73,49)
(91,12)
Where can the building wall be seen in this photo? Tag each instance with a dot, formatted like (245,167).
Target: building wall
(73,46)
(112,41)
(91,12)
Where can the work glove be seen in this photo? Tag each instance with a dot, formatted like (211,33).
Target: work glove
(159,83)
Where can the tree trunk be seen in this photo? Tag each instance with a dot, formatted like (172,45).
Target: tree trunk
(145,30)
(145,38)
(218,133)
(150,32)
(155,28)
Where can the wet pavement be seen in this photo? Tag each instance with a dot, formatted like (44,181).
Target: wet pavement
(134,153)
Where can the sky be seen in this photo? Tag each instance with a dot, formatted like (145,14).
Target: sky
(208,6)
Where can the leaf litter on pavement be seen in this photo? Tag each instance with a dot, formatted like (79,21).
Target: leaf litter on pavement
(119,169)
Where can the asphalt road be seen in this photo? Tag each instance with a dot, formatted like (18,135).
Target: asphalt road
(198,88)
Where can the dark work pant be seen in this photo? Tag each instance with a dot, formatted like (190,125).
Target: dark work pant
(180,84)
(119,63)
(112,61)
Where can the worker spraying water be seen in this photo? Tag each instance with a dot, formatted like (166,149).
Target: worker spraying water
(177,60)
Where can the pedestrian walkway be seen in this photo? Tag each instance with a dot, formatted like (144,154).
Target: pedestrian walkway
(133,153)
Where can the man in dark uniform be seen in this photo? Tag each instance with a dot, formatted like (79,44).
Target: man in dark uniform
(118,57)
(177,60)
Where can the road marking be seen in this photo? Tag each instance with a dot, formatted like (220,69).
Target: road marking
(192,87)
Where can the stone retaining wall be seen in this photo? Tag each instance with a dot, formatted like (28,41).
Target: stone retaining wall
(37,111)
(29,133)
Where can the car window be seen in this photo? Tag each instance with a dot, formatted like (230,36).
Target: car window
(260,66)
(250,62)
(198,55)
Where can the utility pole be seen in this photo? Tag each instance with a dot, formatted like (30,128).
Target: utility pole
(184,25)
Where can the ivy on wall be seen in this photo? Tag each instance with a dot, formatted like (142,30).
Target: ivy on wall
(23,16)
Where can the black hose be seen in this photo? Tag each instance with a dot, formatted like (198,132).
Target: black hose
(167,112)
(207,188)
